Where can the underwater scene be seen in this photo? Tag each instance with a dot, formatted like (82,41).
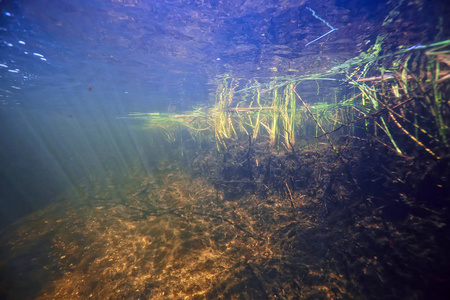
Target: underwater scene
(232,149)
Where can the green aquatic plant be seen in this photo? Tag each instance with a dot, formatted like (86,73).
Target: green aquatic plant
(404,96)
(221,115)
(289,115)
(370,94)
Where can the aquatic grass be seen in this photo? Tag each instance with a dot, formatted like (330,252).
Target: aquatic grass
(436,102)
(289,115)
(370,93)
(221,116)
(379,93)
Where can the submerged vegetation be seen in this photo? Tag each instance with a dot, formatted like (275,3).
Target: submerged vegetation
(332,185)
(367,142)
(378,98)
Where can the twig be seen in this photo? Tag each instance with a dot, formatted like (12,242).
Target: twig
(390,148)
(336,151)
(291,199)
(315,120)
(412,137)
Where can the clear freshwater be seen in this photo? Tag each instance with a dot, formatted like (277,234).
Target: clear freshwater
(103,196)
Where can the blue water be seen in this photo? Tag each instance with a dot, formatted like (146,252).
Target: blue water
(71,71)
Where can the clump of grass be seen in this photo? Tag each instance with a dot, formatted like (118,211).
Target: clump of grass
(389,102)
